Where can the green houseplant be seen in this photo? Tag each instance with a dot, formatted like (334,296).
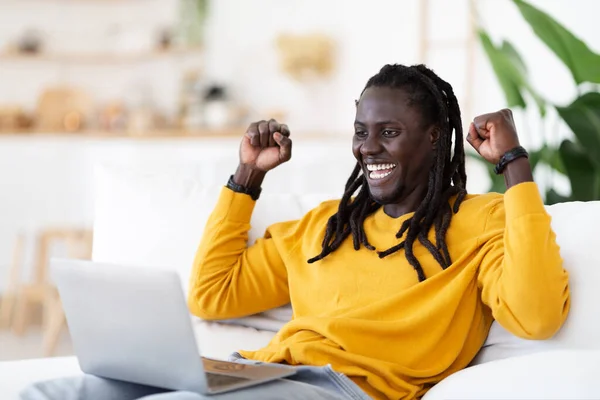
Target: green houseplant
(579,157)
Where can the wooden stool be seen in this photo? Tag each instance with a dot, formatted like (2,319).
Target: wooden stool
(79,246)
(22,296)
(12,291)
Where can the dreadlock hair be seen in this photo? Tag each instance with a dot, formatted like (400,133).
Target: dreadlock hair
(447,178)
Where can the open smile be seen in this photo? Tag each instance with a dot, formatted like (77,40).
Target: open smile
(378,172)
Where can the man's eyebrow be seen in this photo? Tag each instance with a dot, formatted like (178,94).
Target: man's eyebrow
(391,121)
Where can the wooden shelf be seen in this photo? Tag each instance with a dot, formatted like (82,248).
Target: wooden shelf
(99,58)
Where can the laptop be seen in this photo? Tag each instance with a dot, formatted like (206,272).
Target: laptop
(132,324)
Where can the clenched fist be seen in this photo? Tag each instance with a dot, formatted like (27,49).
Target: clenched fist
(265,145)
(493,134)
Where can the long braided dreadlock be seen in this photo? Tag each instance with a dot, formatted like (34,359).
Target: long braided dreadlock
(447,177)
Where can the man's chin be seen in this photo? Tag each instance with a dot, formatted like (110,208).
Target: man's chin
(384,197)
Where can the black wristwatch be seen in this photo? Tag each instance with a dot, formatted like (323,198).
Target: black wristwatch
(509,156)
(254,193)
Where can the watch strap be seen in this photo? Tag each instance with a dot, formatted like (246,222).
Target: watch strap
(254,193)
(508,157)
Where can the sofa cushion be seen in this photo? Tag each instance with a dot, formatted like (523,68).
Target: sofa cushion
(156,219)
(559,375)
(576,227)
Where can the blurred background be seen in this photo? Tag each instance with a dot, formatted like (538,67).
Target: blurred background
(129,81)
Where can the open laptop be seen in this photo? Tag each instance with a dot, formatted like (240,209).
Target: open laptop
(133,324)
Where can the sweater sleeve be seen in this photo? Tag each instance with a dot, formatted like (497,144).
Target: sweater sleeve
(229,278)
(521,275)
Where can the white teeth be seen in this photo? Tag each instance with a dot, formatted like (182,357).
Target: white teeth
(375,175)
(378,167)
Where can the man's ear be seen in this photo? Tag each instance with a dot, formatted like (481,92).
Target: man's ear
(434,136)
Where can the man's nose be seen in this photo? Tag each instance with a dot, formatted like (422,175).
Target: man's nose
(371,145)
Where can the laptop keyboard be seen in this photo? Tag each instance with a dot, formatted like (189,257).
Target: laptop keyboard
(217,380)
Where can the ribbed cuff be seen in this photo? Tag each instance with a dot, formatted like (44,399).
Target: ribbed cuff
(523,199)
(237,207)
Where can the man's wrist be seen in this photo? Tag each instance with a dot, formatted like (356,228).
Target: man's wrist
(248,178)
(517,171)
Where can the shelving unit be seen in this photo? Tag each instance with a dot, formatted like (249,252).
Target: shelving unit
(109,61)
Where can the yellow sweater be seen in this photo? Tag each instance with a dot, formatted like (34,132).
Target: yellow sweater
(370,318)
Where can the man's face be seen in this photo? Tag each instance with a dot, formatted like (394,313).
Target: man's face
(393,146)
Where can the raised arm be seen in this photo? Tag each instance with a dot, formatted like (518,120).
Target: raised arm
(229,278)
(521,274)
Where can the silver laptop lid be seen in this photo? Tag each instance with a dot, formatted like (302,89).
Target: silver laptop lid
(130,323)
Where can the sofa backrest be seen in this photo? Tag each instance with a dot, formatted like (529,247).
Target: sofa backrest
(156,219)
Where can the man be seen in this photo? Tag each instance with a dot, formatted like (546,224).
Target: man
(395,286)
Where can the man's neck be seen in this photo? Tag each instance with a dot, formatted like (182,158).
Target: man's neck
(409,202)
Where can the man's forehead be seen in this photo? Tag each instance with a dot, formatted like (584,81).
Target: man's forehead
(382,105)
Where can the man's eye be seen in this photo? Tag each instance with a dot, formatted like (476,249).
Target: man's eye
(389,132)
(360,133)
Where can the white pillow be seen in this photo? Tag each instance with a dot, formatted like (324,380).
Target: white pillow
(560,375)
(149,219)
(576,227)
(156,219)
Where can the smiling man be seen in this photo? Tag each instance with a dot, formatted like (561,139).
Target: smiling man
(395,286)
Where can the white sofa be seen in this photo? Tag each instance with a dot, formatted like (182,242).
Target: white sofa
(155,219)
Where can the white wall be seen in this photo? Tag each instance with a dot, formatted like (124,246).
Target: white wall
(241,49)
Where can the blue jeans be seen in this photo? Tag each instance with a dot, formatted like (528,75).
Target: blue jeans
(319,383)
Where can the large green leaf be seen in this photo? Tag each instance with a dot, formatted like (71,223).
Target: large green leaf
(505,72)
(509,50)
(584,177)
(511,73)
(520,74)
(554,160)
(583,117)
(577,56)
(547,155)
